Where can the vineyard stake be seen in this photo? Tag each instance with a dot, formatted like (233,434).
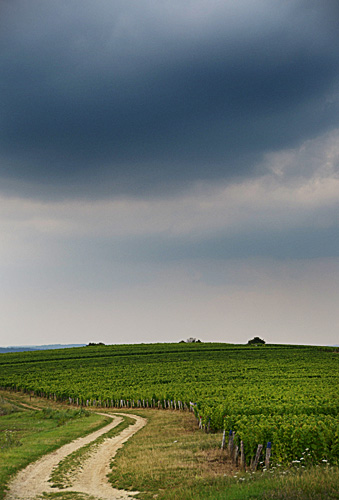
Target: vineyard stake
(236,455)
(230,442)
(257,457)
(242,455)
(268,454)
(223,440)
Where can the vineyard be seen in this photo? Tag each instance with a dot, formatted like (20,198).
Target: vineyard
(285,395)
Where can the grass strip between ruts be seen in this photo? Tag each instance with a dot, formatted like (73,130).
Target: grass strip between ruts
(61,476)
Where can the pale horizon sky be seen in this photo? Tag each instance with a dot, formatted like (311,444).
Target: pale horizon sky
(169,170)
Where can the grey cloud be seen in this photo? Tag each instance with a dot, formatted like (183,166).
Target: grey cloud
(82,263)
(119,97)
(298,243)
(109,260)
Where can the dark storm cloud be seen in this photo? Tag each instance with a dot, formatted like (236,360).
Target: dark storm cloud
(134,97)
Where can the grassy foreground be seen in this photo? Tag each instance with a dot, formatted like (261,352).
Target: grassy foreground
(26,434)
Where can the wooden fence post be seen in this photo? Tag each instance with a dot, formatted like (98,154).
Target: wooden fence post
(268,454)
(257,457)
(230,442)
(236,455)
(242,455)
(223,440)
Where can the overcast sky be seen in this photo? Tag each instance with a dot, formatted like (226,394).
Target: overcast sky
(169,169)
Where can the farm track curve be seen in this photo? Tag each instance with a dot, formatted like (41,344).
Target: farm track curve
(32,482)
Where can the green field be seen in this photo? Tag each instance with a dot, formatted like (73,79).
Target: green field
(286,395)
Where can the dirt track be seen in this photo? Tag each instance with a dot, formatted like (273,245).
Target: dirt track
(91,479)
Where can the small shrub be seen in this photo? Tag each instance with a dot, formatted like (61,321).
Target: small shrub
(256,341)
(7,408)
(8,440)
(62,416)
